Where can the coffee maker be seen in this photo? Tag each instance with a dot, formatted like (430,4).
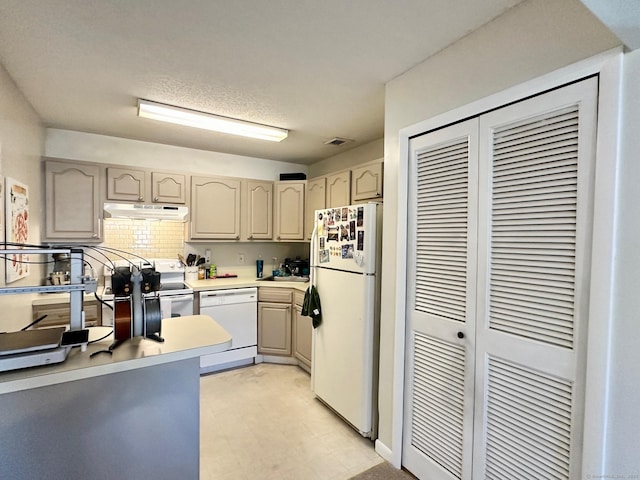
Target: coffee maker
(60,273)
(297,267)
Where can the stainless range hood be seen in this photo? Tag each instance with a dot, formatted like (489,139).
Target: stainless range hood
(150,212)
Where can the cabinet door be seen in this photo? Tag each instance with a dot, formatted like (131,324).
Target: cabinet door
(168,188)
(73,210)
(290,211)
(215,208)
(314,200)
(303,330)
(366,182)
(125,184)
(59,314)
(274,328)
(339,189)
(259,210)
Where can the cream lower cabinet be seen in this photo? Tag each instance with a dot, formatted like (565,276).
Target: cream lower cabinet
(302,333)
(274,328)
(73,208)
(59,314)
(289,211)
(215,208)
(274,321)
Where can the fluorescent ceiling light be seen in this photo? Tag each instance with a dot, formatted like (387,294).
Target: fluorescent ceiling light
(208,121)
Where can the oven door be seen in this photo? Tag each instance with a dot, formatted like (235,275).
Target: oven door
(176,305)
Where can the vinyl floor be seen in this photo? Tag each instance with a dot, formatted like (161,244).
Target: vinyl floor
(262,422)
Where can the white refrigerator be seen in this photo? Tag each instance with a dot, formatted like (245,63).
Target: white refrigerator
(345,259)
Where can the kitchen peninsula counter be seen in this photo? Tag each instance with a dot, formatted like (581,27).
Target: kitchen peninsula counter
(133,415)
(185,337)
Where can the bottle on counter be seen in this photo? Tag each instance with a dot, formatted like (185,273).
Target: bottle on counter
(201,275)
(213,270)
(259,266)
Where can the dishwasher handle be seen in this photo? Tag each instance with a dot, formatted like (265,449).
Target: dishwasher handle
(210,298)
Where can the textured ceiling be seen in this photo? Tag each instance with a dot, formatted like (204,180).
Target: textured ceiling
(315,67)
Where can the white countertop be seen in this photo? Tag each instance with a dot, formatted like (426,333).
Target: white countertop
(185,337)
(242,282)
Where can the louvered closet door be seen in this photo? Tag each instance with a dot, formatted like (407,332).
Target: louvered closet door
(441,303)
(536,181)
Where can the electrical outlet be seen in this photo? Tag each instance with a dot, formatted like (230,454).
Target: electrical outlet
(241,259)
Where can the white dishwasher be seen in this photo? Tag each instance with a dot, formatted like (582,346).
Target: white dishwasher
(236,310)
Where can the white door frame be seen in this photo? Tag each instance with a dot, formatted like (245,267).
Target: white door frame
(608,65)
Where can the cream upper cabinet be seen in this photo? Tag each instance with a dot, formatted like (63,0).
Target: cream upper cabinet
(73,208)
(168,188)
(366,182)
(215,208)
(338,189)
(289,210)
(125,184)
(259,210)
(314,200)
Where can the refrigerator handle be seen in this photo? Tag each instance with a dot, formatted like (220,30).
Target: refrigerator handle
(312,252)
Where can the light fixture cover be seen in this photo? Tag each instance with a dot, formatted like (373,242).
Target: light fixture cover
(209,121)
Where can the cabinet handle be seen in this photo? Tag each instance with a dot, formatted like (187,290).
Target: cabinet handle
(237,237)
(378,194)
(250,236)
(460,335)
(140,198)
(279,238)
(155,199)
(95,235)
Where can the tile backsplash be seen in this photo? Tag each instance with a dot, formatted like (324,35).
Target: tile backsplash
(147,238)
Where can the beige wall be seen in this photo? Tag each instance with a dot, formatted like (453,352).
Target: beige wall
(534,38)
(21,145)
(362,154)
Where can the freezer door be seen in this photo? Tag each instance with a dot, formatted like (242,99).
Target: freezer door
(343,350)
(346,238)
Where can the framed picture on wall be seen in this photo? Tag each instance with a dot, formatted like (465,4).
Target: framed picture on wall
(17,228)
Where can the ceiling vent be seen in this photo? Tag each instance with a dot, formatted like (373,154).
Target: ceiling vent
(337,141)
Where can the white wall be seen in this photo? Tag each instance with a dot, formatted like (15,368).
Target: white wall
(362,154)
(90,147)
(21,145)
(534,38)
(624,415)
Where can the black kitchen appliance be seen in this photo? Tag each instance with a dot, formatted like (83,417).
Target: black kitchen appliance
(298,267)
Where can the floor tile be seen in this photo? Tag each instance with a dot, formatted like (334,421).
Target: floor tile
(263,422)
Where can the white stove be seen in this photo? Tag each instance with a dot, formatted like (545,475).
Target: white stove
(176,298)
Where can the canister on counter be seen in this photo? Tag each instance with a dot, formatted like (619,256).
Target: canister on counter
(201,272)
(259,267)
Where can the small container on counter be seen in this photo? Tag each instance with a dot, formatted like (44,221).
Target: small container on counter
(259,267)
(201,272)
(190,273)
(213,270)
